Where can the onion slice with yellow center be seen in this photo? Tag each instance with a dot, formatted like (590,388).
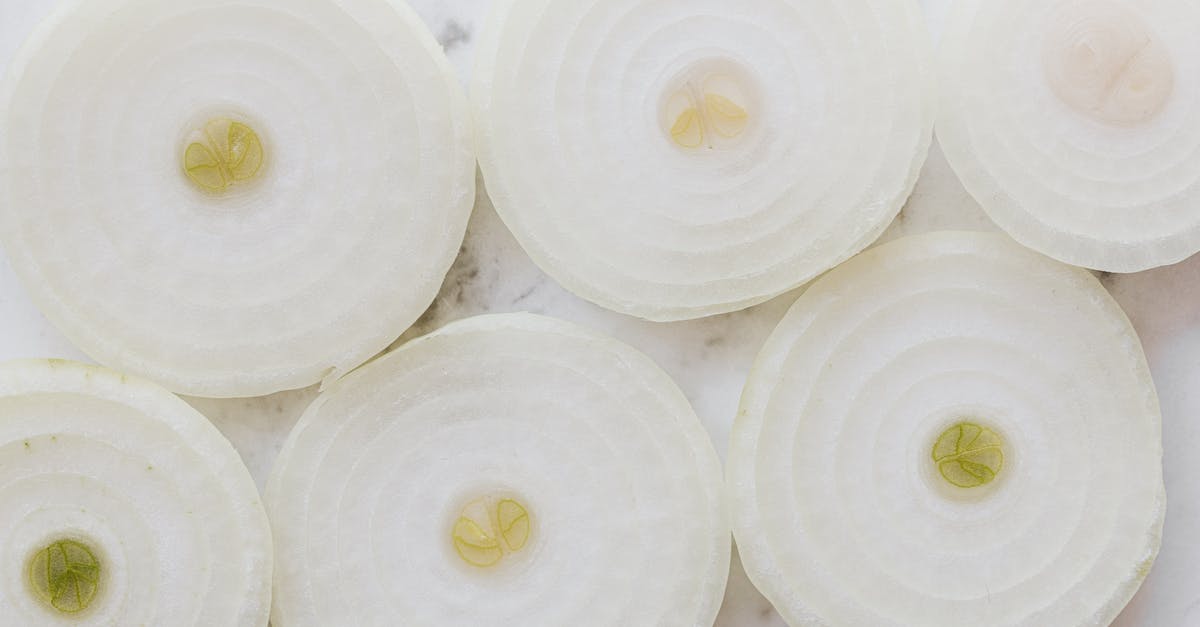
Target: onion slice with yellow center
(673,159)
(122,505)
(949,430)
(505,470)
(233,197)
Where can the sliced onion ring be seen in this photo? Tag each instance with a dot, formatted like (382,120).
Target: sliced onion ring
(128,501)
(505,470)
(672,160)
(1073,123)
(233,197)
(951,430)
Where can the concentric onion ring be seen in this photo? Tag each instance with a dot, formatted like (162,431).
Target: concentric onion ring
(164,239)
(949,429)
(1074,124)
(505,470)
(672,159)
(122,481)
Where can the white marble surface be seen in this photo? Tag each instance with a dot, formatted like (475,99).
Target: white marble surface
(710,358)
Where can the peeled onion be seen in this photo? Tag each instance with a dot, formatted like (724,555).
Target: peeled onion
(505,470)
(122,505)
(233,197)
(952,430)
(1073,123)
(673,159)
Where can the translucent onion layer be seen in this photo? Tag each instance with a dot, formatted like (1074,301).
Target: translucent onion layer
(1074,123)
(673,159)
(505,470)
(233,197)
(173,531)
(949,430)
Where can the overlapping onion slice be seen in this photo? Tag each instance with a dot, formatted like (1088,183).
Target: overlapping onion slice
(505,470)
(1074,123)
(672,159)
(949,430)
(233,197)
(122,505)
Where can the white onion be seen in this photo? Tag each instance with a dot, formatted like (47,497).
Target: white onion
(672,159)
(19,19)
(1073,123)
(161,521)
(951,430)
(577,444)
(335,241)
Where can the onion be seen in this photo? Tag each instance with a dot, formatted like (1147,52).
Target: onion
(505,470)
(20,18)
(673,159)
(950,430)
(122,505)
(233,197)
(1073,122)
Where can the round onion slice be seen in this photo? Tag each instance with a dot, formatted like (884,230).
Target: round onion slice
(673,159)
(233,197)
(505,470)
(949,430)
(1073,123)
(122,505)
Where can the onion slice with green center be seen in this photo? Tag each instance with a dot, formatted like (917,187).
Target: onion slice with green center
(233,197)
(673,159)
(1074,124)
(505,470)
(949,429)
(122,505)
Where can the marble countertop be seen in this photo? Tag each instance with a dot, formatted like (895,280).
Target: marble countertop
(710,358)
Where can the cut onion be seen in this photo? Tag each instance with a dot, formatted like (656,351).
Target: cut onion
(1073,123)
(122,505)
(673,159)
(233,197)
(505,470)
(951,430)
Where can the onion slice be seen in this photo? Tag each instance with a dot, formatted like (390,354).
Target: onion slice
(1073,123)
(233,197)
(672,159)
(122,505)
(952,430)
(505,470)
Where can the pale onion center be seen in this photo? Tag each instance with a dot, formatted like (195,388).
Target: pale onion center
(490,528)
(65,575)
(968,455)
(1102,60)
(709,105)
(222,153)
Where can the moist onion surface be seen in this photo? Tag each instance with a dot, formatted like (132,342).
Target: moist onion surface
(122,505)
(504,470)
(673,159)
(233,197)
(949,429)
(1074,124)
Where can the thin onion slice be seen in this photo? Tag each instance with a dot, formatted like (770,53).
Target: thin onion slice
(122,505)
(233,197)
(949,430)
(673,159)
(505,470)
(1074,124)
